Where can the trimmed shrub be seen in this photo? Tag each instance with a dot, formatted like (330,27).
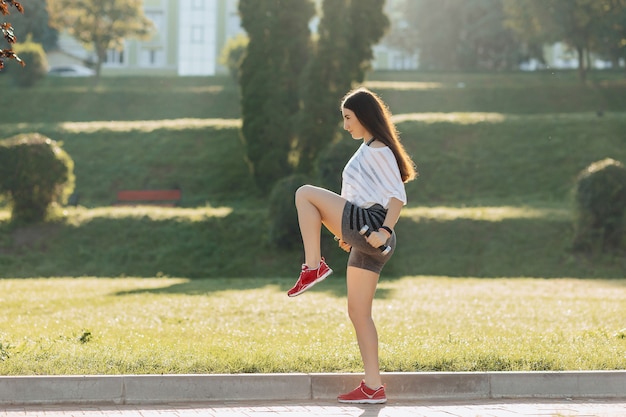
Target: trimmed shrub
(36,66)
(600,198)
(35,174)
(284,231)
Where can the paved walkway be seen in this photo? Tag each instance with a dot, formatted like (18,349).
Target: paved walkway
(517,408)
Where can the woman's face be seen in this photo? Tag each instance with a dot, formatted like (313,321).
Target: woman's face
(353,126)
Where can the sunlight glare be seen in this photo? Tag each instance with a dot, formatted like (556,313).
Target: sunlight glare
(148,125)
(458,118)
(402,85)
(491,214)
(81,215)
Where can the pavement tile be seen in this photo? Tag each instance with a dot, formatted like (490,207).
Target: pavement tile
(483,408)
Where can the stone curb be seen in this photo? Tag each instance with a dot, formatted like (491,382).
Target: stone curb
(155,389)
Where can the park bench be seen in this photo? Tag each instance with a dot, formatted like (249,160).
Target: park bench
(169,198)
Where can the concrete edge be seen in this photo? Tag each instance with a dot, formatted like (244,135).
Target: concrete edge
(155,389)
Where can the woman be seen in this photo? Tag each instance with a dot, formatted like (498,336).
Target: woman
(372,194)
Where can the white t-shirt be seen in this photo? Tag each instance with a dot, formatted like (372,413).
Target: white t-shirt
(371,177)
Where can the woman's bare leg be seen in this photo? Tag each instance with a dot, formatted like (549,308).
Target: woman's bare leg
(361,289)
(317,206)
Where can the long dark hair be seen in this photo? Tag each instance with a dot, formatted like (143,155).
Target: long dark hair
(375,117)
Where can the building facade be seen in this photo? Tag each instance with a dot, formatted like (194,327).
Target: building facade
(189,38)
(191,34)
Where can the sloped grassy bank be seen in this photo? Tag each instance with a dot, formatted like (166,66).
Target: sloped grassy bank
(493,199)
(209,245)
(475,163)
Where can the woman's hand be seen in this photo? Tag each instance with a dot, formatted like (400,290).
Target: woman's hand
(377,238)
(343,245)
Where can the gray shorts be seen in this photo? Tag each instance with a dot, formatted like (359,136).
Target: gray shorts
(363,255)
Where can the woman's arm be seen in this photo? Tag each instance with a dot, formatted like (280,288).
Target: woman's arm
(393,213)
(379,237)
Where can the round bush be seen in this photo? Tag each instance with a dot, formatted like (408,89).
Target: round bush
(600,198)
(36,64)
(35,174)
(284,231)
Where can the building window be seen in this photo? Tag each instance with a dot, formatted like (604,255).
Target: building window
(151,57)
(197,4)
(197,34)
(114,57)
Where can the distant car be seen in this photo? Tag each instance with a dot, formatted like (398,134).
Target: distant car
(71,71)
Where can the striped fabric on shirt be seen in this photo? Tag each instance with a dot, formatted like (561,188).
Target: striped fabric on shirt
(371,177)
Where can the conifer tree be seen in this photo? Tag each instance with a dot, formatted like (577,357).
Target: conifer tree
(347,32)
(278,49)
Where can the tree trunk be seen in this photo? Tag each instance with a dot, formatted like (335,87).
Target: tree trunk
(582,71)
(614,61)
(101,55)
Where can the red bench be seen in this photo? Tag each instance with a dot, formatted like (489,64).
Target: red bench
(168,198)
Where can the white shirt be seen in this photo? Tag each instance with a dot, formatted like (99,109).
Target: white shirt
(371,177)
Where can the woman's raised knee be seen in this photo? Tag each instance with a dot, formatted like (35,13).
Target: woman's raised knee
(303,192)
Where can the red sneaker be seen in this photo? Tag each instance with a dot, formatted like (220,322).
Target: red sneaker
(364,395)
(309,277)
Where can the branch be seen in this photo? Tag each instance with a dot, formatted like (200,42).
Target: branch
(4,6)
(8,53)
(7,32)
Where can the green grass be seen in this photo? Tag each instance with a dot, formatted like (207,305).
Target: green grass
(483,277)
(201,156)
(521,163)
(121,98)
(155,98)
(510,93)
(462,158)
(176,325)
(208,242)
(517,159)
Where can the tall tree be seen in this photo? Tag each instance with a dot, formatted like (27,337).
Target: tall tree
(347,31)
(458,35)
(578,23)
(609,39)
(403,33)
(486,43)
(438,25)
(100,24)
(277,51)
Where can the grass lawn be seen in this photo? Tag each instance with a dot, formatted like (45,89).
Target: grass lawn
(174,325)
(483,278)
